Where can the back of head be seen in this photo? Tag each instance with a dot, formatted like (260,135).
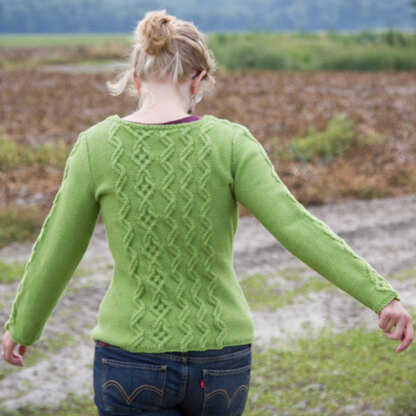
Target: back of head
(168,49)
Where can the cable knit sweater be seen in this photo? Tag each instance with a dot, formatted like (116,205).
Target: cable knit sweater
(168,197)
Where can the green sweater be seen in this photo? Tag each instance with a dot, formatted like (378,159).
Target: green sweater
(168,197)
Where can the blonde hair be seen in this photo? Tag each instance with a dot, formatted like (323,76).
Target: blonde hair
(166,47)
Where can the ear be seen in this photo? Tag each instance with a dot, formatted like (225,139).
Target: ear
(136,81)
(196,80)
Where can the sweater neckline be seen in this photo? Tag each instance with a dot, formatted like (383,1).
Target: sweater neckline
(176,126)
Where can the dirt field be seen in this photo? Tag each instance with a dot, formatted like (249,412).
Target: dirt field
(40,106)
(37,106)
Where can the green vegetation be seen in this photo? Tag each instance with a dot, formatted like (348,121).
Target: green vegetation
(364,51)
(11,271)
(404,274)
(361,51)
(14,155)
(39,351)
(356,370)
(23,40)
(334,141)
(73,405)
(23,223)
(20,224)
(326,145)
(266,293)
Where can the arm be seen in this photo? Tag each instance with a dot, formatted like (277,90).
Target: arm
(258,188)
(58,250)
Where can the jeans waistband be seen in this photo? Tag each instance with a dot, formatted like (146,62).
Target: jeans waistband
(234,348)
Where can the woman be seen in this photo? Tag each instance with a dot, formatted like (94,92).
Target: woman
(174,330)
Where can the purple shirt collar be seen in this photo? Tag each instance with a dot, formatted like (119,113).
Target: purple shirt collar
(192,117)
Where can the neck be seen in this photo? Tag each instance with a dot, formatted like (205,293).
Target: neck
(163,98)
(155,115)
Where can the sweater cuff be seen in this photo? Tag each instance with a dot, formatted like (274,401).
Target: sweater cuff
(386,301)
(21,341)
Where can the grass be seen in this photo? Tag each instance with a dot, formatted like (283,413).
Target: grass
(268,294)
(25,40)
(73,405)
(351,373)
(354,370)
(404,274)
(14,155)
(23,223)
(39,351)
(10,272)
(364,51)
(19,224)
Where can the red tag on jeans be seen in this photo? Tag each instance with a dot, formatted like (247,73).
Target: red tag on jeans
(202,384)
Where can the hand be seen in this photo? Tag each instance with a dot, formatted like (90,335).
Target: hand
(8,346)
(395,315)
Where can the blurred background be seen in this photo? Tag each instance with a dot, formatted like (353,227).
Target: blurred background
(329,89)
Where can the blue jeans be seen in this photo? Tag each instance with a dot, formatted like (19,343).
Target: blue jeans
(193,383)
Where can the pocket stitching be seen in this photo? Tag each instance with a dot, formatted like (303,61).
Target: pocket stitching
(225,393)
(226,356)
(144,366)
(129,398)
(226,372)
(162,381)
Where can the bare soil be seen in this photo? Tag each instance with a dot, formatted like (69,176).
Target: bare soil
(382,231)
(49,105)
(44,105)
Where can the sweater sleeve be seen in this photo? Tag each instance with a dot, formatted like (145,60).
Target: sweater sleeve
(58,249)
(258,188)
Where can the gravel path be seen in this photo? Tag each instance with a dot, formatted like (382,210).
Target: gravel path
(382,231)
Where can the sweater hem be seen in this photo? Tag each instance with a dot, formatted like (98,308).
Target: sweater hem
(191,347)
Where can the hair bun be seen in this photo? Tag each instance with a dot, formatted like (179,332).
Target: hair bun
(155,31)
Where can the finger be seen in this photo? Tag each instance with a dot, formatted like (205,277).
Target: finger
(11,357)
(383,320)
(408,337)
(398,331)
(390,325)
(17,359)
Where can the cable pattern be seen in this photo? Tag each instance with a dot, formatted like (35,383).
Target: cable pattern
(45,225)
(161,190)
(190,233)
(207,246)
(172,237)
(171,286)
(147,218)
(379,283)
(128,238)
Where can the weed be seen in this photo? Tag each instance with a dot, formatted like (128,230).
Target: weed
(326,145)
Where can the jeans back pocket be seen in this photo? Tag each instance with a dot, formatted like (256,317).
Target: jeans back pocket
(226,391)
(131,387)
